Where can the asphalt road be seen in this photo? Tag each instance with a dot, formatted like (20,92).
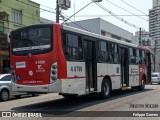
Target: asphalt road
(121,103)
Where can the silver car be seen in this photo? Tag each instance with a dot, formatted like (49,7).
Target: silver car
(155,78)
(5,88)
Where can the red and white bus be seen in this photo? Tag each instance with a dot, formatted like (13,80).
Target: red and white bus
(56,58)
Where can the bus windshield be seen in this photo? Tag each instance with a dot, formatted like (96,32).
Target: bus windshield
(34,39)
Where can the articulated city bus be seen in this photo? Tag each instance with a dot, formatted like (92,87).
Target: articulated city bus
(56,58)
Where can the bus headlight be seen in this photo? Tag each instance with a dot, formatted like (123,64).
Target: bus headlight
(13,75)
(53,72)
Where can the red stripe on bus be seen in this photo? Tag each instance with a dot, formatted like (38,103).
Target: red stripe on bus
(99,76)
(86,77)
(76,77)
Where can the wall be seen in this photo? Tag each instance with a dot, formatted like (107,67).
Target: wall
(91,25)
(99,26)
(115,30)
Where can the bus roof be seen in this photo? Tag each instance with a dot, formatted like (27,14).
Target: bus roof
(69,28)
(80,31)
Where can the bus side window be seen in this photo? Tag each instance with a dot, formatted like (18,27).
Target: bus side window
(72,47)
(113,53)
(132,55)
(142,57)
(137,57)
(116,54)
(102,51)
(65,46)
(110,52)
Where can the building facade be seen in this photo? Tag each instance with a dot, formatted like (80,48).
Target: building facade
(156,3)
(100,26)
(144,39)
(14,14)
(154,29)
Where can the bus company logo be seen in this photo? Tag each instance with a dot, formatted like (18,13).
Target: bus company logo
(20,115)
(30,72)
(39,67)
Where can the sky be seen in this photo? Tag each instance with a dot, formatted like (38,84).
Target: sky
(123,8)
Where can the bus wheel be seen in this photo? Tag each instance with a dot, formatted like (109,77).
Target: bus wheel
(4,95)
(105,89)
(142,85)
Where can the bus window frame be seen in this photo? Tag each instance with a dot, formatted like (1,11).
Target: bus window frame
(65,32)
(102,61)
(114,53)
(34,52)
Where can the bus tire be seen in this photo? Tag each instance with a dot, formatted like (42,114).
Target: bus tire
(142,86)
(105,89)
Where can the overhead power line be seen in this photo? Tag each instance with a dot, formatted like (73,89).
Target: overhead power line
(73,22)
(104,15)
(77,12)
(126,10)
(119,18)
(49,12)
(133,7)
(36,7)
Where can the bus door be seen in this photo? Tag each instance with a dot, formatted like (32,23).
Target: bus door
(90,63)
(148,67)
(124,67)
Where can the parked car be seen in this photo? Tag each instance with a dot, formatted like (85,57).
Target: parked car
(5,88)
(155,78)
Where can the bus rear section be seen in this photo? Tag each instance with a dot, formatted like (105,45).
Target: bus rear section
(34,59)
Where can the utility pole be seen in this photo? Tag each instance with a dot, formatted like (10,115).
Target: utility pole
(57,12)
(63,4)
(140,40)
